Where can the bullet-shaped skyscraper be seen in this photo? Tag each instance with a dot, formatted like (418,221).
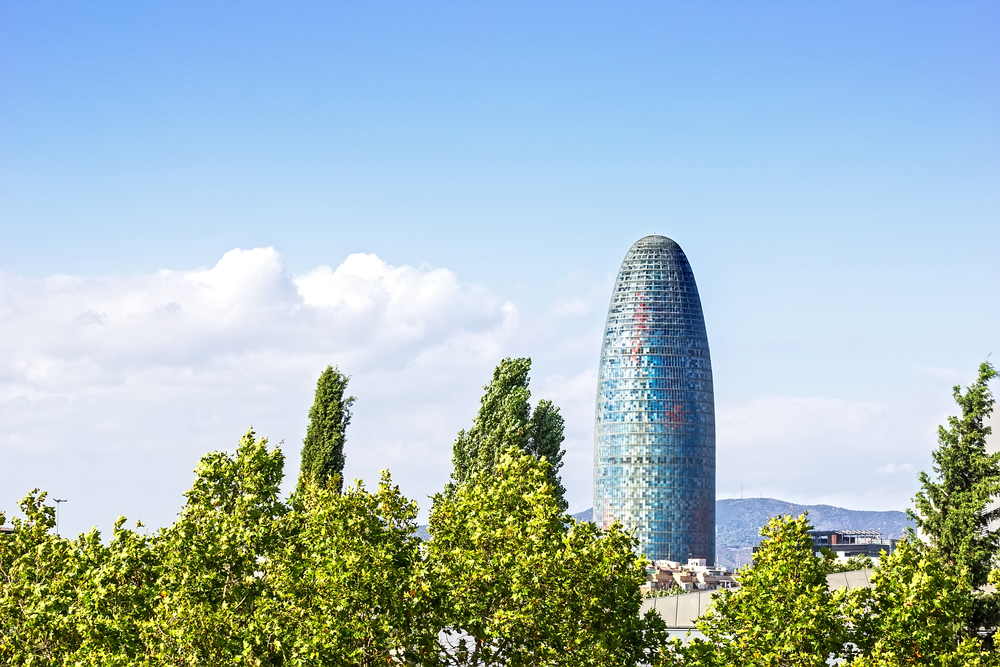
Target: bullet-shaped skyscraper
(654,435)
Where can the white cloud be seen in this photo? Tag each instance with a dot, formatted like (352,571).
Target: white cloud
(892,469)
(111,388)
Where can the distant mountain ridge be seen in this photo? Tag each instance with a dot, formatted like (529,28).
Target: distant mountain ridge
(738,523)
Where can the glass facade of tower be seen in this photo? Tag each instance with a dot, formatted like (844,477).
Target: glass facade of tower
(654,454)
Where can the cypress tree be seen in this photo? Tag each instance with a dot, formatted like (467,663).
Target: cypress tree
(505,419)
(323,447)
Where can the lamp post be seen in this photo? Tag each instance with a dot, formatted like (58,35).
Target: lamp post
(59,502)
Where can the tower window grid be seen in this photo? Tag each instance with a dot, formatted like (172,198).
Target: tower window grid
(654,455)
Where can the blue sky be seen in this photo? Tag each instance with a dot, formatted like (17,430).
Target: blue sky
(830,169)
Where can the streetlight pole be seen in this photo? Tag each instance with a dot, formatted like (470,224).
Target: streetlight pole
(59,502)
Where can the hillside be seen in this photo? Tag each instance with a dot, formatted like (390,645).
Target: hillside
(738,522)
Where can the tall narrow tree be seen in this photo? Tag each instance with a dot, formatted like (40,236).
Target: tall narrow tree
(953,511)
(505,419)
(547,434)
(323,447)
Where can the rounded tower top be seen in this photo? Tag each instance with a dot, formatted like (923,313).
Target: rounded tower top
(653,239)
(652,242)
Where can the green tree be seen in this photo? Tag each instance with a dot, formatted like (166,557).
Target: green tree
(913,613)
(36,596)
(79,602)
(217,563)
(953,511)
(344,587)
(783,613)
(507,583)
(545,442)
(505,419)
(323,447)
(245,578)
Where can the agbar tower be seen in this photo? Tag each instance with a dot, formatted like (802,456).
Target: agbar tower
(654,454)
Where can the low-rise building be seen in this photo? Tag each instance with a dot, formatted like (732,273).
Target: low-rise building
(695,575)
(848,543)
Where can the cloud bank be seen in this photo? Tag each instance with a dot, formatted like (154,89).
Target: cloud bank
(112,388)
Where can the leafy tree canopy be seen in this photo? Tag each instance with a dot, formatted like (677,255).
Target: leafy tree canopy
(508,584)
(246,578)
(783,613)
(241,578)
(913,614)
